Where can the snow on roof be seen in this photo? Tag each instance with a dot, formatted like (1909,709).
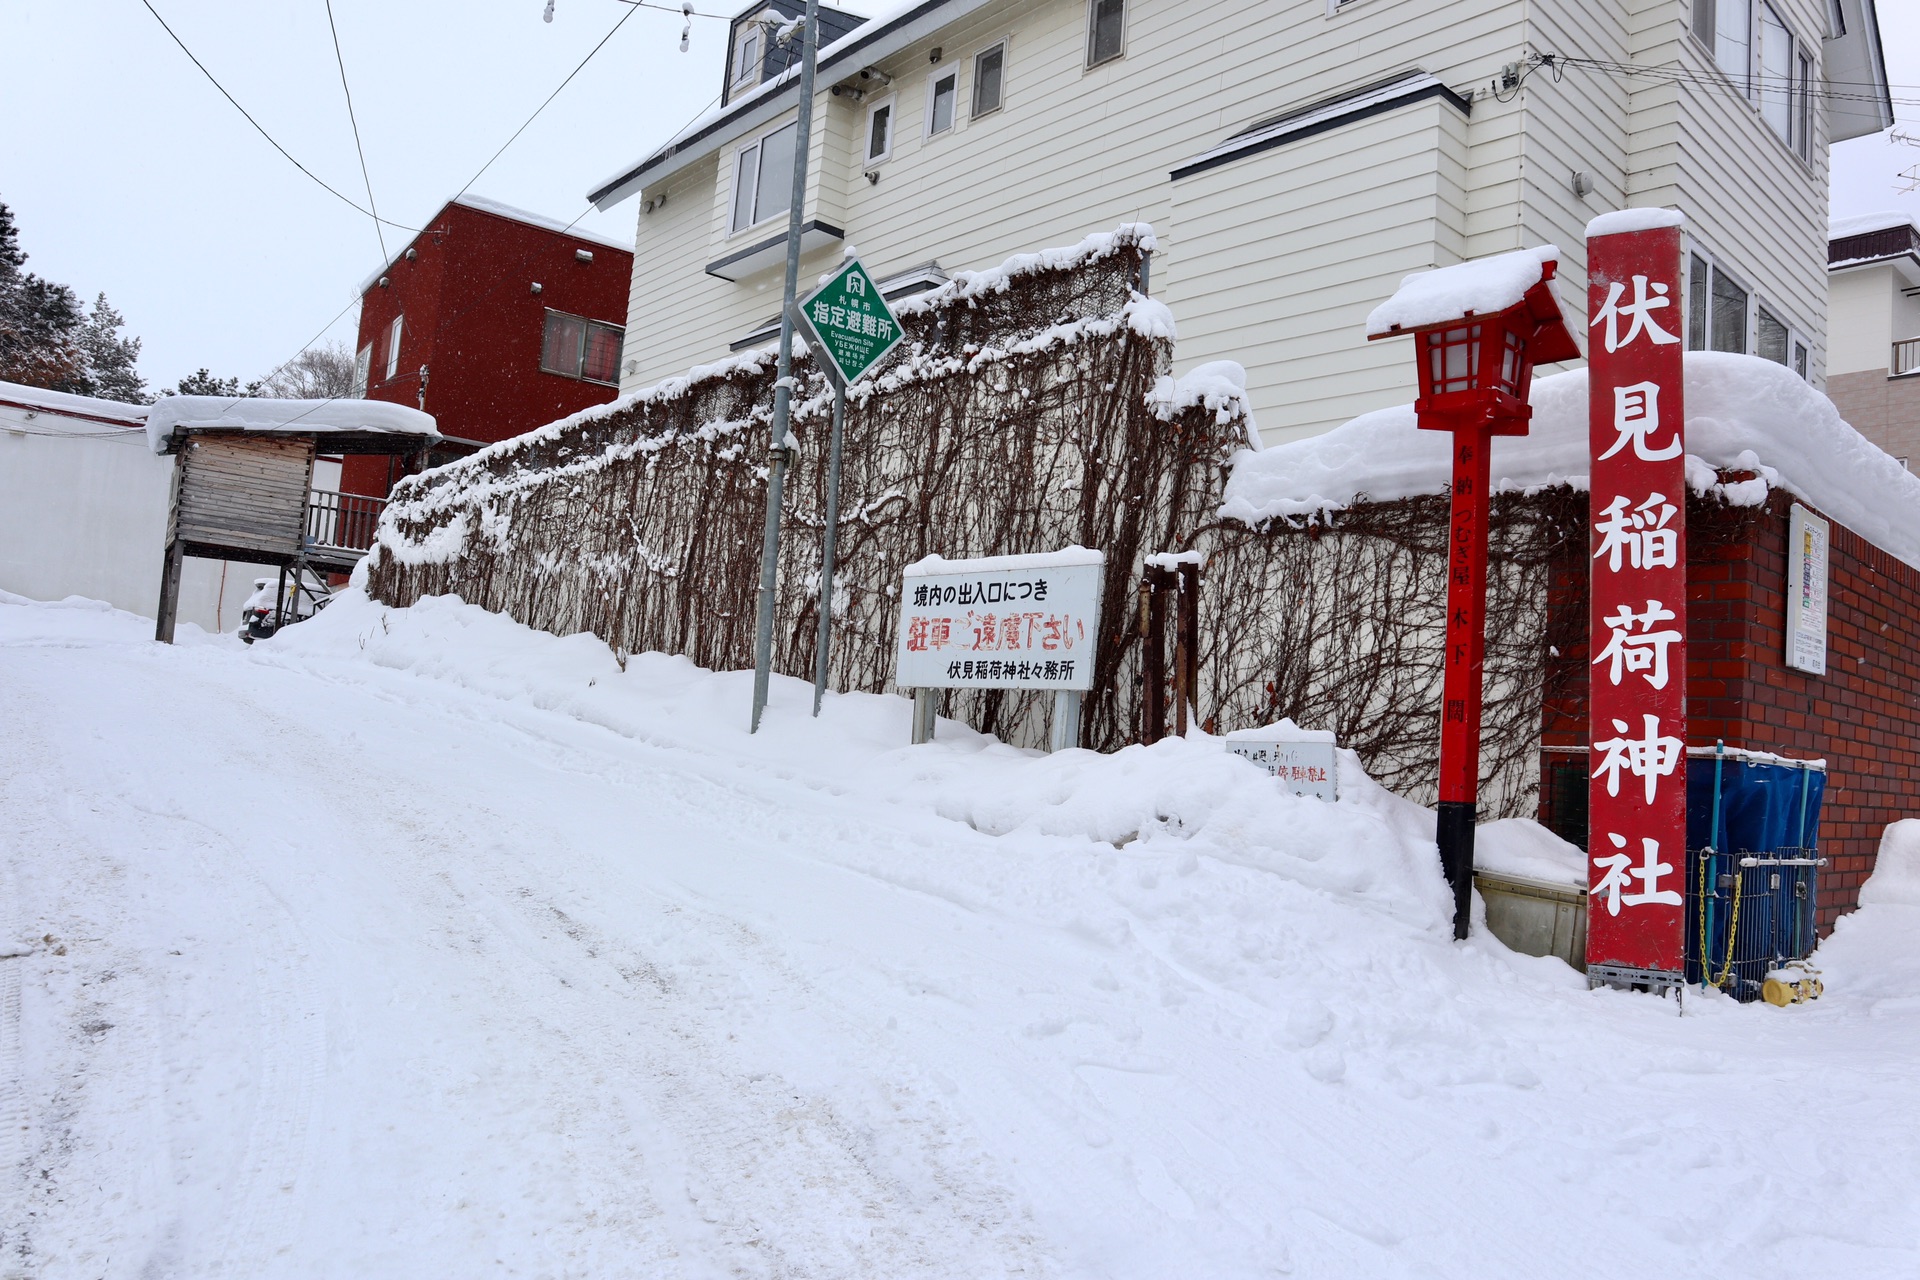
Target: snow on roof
(1743,414)
(889,28)
(79,406)
(1865,223)
(1480,287)
(1316,116)
(1622,221)
(467,199)
(298,417)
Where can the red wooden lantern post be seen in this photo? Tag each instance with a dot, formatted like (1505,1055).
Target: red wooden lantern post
(1478,330)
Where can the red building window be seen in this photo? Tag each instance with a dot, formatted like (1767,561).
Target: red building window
(575,347)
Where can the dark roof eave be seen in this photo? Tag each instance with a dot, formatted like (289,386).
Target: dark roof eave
(618,188)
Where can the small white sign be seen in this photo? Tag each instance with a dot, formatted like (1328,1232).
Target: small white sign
(1003,622)
(1302,759)
(1807,539)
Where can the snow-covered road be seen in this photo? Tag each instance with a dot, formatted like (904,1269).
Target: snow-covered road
(417,944)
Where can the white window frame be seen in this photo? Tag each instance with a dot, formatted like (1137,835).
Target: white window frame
(362,370)
(1715,267)
(734,225)
(874,108)
(952,73)
(1126,29)
(1800,115)
(394,331)
(1005,45)
(745,71)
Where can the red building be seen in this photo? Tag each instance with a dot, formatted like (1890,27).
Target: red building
(495,321)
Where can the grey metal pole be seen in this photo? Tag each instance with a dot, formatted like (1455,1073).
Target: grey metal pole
(823,647)
(783,386)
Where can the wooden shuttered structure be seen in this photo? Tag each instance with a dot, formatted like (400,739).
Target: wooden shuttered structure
(242,497)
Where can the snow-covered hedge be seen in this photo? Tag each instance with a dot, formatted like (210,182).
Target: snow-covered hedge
(1030,408)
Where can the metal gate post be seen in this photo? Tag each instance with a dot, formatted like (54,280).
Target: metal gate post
(924,716)
(1066,720)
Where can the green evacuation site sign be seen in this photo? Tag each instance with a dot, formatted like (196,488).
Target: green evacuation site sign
(851,321)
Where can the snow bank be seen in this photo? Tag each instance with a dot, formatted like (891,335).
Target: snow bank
(1522,847)
(1477,288)
(172,414)
(1895,881)
(1188,794)
(1743,414)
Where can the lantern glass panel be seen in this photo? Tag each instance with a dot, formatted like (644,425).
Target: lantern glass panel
(1453,357)
(1511,360)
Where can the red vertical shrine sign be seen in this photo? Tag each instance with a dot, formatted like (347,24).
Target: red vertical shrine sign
(1637,810)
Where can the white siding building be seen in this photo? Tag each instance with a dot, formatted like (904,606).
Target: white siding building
(1296,157)
(83,510)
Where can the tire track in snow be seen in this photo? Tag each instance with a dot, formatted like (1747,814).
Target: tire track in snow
(776,1172)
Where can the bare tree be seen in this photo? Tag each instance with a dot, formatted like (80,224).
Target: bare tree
(318,373)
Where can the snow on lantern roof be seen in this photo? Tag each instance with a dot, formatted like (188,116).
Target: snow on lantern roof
(173,414)
(1743,414)
(1481,287)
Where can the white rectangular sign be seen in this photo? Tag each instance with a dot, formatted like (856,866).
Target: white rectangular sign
(1807,538)
(1003,622)
(1302,759)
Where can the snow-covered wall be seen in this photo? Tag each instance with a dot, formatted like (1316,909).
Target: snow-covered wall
(83,511)
(1744,414)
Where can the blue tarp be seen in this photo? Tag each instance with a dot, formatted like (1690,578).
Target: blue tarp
(1763,806)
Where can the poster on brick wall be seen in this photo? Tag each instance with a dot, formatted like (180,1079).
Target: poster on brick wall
(1807,536)
(1637,789)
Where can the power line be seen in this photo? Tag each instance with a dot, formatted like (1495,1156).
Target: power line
(505,278)
(1714,79)
(544,104)
(366,177)
(257,125)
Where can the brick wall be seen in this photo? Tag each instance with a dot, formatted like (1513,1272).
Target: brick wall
(1862,716)
(1884,409)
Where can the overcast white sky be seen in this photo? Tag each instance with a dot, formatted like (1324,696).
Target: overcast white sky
(127,172)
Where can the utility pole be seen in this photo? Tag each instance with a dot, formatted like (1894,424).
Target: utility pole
(777,455)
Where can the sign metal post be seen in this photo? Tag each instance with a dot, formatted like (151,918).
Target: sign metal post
(851,329)
(783,383)
(1637,708)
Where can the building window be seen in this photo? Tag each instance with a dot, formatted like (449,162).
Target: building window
(1800,358)
(941,92)
(362,366)
(1776,74)
(763,179)
(1803,109)
(1769,337)
(989,75)
(879,132)
(1733,40)
(1716,308)
(393,343)
(746,58)
(575,347)
(1106,30)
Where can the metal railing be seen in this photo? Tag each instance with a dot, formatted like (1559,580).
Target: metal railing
(1906,356)
(342,521)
